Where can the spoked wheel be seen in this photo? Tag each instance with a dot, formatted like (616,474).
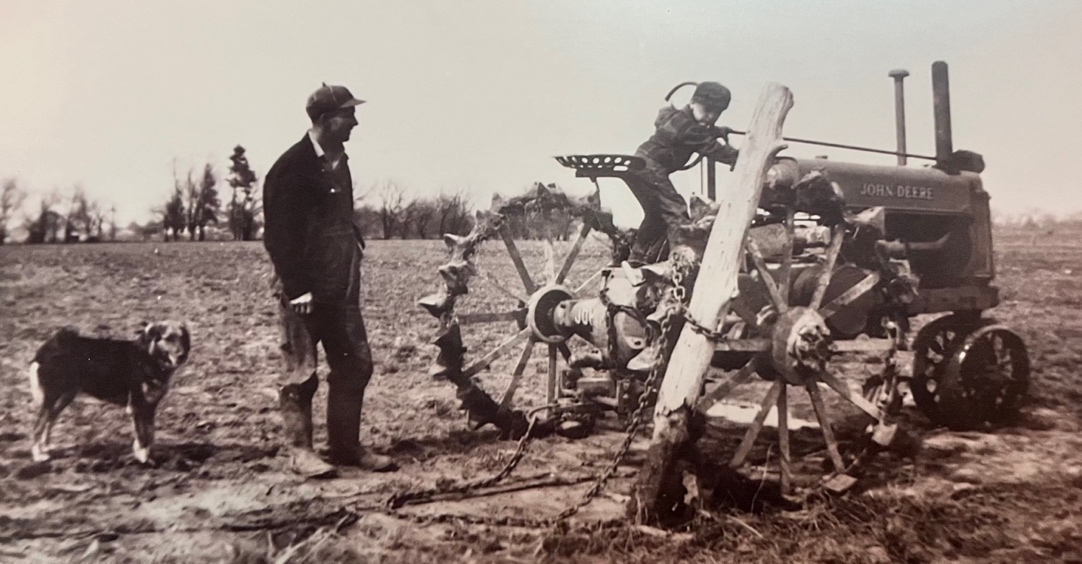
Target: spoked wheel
(793,347)
(931,353)
(986,379)
(533,315)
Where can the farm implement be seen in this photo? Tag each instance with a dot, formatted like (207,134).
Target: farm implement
(813,260)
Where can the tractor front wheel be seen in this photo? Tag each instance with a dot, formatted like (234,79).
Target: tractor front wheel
(986,379)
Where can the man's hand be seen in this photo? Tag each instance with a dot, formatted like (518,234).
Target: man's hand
(302,304)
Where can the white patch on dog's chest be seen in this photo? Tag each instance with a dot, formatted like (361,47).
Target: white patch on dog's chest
(155,391)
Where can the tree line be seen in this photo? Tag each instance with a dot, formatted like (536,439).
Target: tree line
(396,216)
(195,208)
(195,203)
(58,218)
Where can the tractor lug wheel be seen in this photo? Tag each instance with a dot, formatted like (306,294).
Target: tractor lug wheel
(932,348)
(986,379)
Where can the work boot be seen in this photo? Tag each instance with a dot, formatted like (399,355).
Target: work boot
(295,401)
(344,432)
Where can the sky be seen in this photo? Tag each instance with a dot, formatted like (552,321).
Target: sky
(480,95)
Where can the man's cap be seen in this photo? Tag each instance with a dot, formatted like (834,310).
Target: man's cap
(712,94)
(329,98)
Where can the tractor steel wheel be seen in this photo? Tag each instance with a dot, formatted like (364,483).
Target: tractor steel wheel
(537,296)
(789,323)
(931,353)
(986,379)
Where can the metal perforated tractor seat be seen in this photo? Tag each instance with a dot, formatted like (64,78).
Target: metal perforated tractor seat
(595,166)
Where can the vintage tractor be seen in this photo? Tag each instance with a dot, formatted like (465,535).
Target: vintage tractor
(838,259)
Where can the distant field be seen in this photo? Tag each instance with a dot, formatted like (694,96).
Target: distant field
(219,490)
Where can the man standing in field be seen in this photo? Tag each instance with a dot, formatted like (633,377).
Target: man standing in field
(316,250)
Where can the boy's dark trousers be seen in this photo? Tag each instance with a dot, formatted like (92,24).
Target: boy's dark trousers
(664,209)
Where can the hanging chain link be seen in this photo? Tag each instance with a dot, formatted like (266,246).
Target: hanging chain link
(402,498)
(646,398)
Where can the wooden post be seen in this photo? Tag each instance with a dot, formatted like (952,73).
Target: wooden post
(714,288)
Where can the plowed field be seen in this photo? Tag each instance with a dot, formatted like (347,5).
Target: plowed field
(218,490)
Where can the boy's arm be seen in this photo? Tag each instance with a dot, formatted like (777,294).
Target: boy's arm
(702,138)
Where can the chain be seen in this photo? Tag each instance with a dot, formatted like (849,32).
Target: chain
(702,329)
(523,522)
(645,399)
(402,498)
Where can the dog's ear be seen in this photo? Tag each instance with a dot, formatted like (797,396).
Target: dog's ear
(151,332)
(185,338)
(142,333)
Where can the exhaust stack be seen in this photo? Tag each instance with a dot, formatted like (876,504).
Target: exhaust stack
(941,100)
(899,111)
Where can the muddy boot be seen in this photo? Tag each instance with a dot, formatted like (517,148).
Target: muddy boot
(295,401)
(344,432)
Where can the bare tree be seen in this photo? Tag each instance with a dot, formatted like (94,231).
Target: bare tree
(47,226)
(147,230)
(417,218)
(76,217)
(96,215)
(11,199)
(201,202)
(551,224)
(173,213)
(453,212)
(391,196)
(366,217)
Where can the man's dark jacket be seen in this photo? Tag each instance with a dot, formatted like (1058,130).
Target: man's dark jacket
(309,231)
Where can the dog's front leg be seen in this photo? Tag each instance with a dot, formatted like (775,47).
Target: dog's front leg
(40,450)
(143,421)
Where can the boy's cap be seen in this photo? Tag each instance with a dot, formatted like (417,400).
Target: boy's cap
(712,94)
(329,98)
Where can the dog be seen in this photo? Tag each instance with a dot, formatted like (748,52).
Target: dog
(134,374)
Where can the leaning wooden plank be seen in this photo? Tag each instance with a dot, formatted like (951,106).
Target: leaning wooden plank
(714,287)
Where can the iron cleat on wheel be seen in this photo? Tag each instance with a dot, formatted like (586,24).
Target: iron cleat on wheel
(883,433)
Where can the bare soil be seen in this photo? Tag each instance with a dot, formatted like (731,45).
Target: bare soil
(218,489)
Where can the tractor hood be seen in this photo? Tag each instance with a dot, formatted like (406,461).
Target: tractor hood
(892,187)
